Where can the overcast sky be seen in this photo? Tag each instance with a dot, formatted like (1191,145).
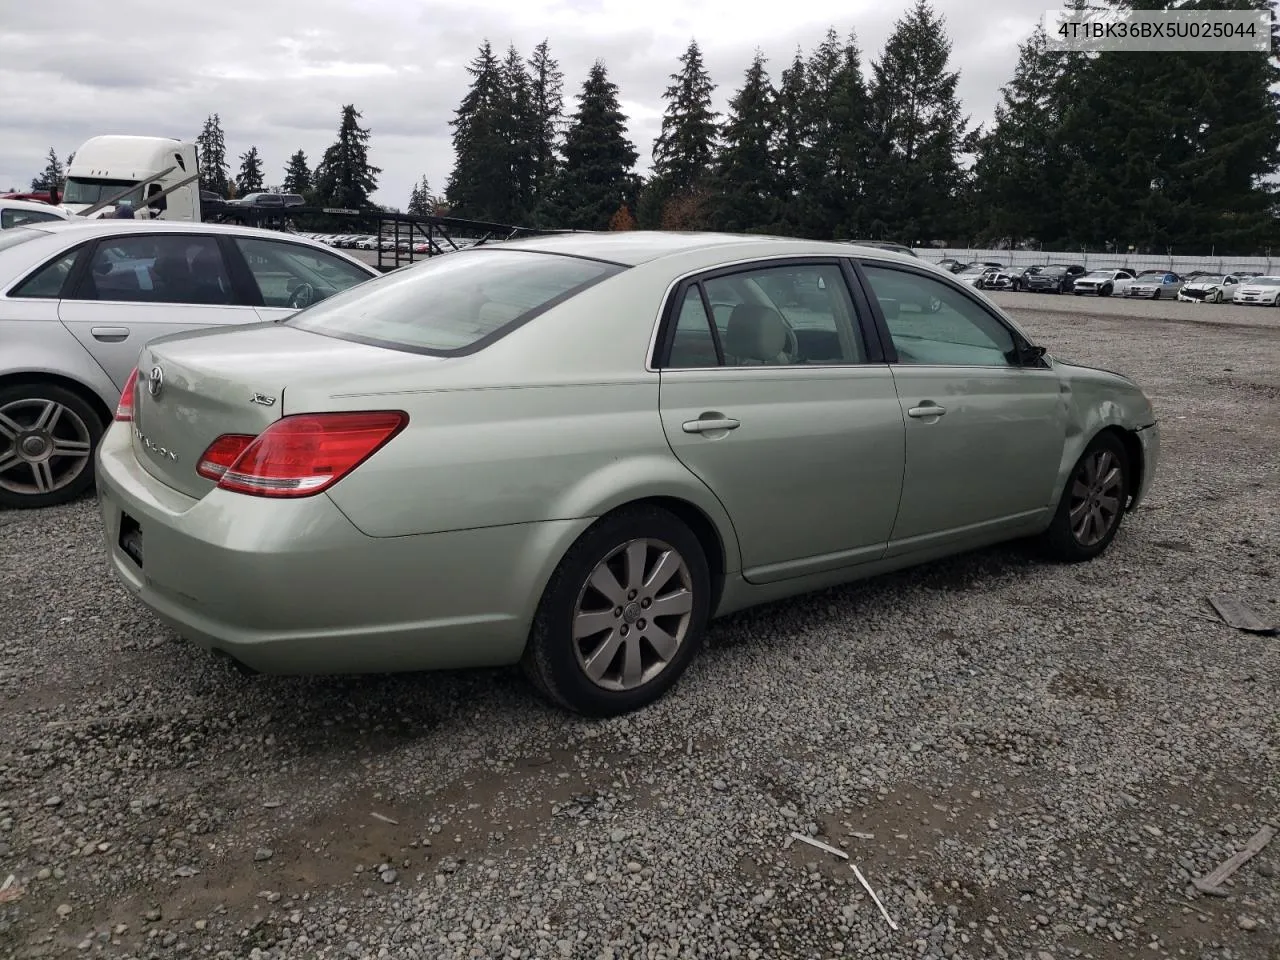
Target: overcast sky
(278,72)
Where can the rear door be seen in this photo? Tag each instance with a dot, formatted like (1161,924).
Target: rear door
(984,434)
(773,397)
(136,287)
(285,277)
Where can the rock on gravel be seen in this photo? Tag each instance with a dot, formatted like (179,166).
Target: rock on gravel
(1025,760)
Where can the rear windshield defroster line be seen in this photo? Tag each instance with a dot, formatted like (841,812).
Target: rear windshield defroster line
(456,303)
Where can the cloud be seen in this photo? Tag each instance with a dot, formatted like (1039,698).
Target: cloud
(278,73)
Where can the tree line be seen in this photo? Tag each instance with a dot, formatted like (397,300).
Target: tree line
(1107,150)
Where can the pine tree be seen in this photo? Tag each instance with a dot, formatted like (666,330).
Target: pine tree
(745,179)
(1171,151)
(297,176)
(421,201)
(480,186)
(546,95)
(599,160)
(918,130)
(249,179)
(344,177)
(211,147)
(683,152)
(52,176)
(521,133)
(793,139)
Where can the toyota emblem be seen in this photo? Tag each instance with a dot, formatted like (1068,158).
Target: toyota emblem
(155,381)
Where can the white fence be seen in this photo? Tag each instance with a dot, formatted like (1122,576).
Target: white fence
(1100,261)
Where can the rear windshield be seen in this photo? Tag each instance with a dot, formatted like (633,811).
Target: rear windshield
(455,303)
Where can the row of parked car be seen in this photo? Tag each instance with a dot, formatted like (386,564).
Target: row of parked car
(1197,286)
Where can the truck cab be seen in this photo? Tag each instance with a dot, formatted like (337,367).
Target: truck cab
(104,166)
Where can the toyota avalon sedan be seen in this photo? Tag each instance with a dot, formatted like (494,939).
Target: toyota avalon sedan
(571,452)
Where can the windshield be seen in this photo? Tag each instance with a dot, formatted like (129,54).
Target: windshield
(1208,278)
(1097,275)
(1053,271)
(1151,274)
(90,191)
(449,305)
(1264,282)
(968,271)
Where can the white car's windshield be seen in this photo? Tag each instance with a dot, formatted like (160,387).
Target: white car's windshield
(1265,282)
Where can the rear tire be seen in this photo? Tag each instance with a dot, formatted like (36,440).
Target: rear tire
(596,647)
(48,435)
(1093,502)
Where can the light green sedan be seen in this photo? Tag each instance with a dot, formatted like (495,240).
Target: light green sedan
(572,451)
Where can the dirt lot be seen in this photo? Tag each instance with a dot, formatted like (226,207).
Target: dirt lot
(1024,760)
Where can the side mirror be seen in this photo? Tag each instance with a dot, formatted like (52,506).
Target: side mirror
(160,205)
(1030,354)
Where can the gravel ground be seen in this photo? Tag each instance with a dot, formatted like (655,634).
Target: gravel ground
(1024,760)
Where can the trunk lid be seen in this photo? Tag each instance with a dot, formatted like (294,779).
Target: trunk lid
(219,381)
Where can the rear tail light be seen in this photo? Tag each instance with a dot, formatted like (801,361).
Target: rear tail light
(301,455)
(222,453)
(124,409)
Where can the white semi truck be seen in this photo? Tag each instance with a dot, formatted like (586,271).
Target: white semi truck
(157,176)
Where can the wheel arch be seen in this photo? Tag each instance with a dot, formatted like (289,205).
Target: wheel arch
(79,388)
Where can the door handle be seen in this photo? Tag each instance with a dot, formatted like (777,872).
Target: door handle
(110,334)
(710,425)
(926,410)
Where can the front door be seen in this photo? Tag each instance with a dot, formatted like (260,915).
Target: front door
(140,287)
(984,435)
(772,402)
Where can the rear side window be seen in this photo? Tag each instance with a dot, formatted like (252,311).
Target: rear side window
(46,283)
(453,304)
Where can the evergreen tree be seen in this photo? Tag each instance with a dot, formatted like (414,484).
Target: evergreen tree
(794,136)
(344,177)
(211,147)
(918,130)
(745,178)
(521,135)
(599,160)
(685,149)
(297,176)
(546,95)
(1172,151)
(683,152)
(52,176)
(421,201)
(250,177)
(1018,171)
(480,186)
(834,166)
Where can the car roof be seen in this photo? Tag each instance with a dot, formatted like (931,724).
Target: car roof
(634,247)
(33,205)
(105,226)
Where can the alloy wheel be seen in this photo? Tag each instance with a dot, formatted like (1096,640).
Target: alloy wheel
(44,446)
(1096,492)
(633,614)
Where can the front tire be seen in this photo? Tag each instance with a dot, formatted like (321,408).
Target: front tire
(1106,291)
(47,438)
(622,616)
(1093,503)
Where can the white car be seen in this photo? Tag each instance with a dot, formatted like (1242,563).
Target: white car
(1259,292)
(1102,283)
(80,299)
(1212,288)
(19,213)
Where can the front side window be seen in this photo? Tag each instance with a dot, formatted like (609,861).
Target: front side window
(785,315)
(456,303)
(932,323)
(296,276)
(159,268)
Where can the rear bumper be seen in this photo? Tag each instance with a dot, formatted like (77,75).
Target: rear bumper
(291,586)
